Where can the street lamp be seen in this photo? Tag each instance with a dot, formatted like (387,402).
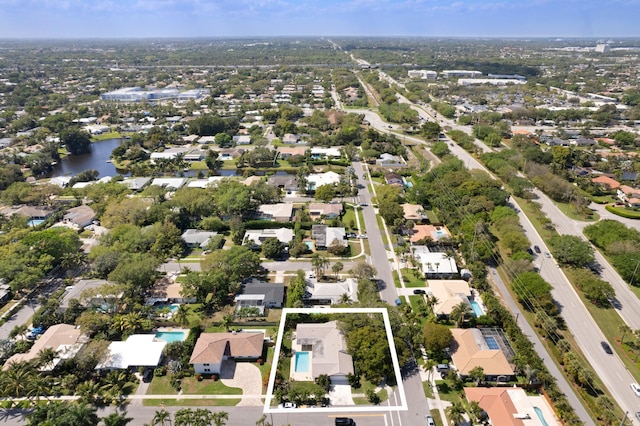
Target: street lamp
(633,277)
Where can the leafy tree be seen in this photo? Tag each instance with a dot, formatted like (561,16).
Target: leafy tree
(336,248)
(77,141)
(336,268)
(364,271)
(572,250)
(272,248)
(460,312)
(61,413)
(477,374)
(237,263)
(437,337)
(325,193)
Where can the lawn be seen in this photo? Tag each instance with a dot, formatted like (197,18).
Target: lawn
(413,278)
(191,386)
(349,218)
(105,136)
(222,402)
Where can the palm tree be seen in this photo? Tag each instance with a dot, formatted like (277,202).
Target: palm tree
(455,413)
(226,322)
(45,357)
(428,366)
(182,315)
(337,268)
(16,380)
(89,391)
(115,419)
(623,329)
(431,301)
(220,418)
(345,299)
(319,264)
(161,418)
(459,313)
(530,373)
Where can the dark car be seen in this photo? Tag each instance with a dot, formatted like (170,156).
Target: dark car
(537,249)
(606,348)
(344,421)
(147,376)
(419,291)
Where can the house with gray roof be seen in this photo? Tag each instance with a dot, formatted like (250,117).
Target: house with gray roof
(325,235)
(261,295)
(327,349)
(196,238)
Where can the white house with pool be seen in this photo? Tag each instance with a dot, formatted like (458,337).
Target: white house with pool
(320,349)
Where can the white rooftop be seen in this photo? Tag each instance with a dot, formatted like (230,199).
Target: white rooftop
(138,350)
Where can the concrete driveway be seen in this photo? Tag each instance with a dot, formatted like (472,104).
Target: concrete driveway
(246,376)
(340,393)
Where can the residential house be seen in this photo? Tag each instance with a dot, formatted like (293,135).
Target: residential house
(330,293)
(628,194)
(5,292)
(325,210)
(34,214)
(432,232)
(289,138)
(260,295)
(325,235)
(512,406)
(327,349)
(316,180)
(606,181)
(210,182)
(257,236)
(230,153)
(80,216)
(284,181)
(170,184)
(196,238)
(65,339)
(394,179)
(242,140)
(84,290)
(61,181)
(449,293)
(437,264)
(289,151)
(212,349)
(413,212)
(281,212)
(136,184)
(320,153)
(139,350)
(389,160)
(471,348)
(167,290)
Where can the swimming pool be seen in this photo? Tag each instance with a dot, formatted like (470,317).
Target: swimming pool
(172,308)
(477,310)
(301,364)
(492,343)
(171,336)
(540,416)
(309,245)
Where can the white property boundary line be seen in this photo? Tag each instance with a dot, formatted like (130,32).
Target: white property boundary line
(355,408)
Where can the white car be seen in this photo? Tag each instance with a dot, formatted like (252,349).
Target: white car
(288,405)
(635,388)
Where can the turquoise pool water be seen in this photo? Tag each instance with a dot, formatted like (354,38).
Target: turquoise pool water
(172,308)
(171,336)
(540,416)
(477,310)
(301,364)
(309,245)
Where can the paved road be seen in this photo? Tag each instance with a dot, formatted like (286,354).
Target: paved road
(584,329)
(626,304)
(528,331)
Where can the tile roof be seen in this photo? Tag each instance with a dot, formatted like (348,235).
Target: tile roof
(212,347)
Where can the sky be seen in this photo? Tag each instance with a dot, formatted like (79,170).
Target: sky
(242,18)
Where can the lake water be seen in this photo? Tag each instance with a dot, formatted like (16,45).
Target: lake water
(71,165)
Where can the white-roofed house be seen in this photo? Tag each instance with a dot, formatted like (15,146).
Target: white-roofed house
(197,238)
(435,264)
(139,350)
(257,236)
(316,180)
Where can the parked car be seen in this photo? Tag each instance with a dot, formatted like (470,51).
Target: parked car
(398,302)
(147,376)
(537,249)
(288,405)
(547,255)
(635,388)
(344,421)
(606,348)
(429,420)
(419,291)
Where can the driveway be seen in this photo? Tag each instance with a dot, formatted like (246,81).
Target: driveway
(245,376)
(340,393)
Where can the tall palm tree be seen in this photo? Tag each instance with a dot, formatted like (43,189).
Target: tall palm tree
(337,268)
(345,299)
(115,419)
(459,313)
(455,413)
(182,315)
(15,381)
(226,322)
(161,418)
(220,418)
(623,329)
(45,357)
